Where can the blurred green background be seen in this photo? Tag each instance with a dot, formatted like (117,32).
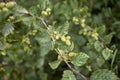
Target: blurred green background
(103,12)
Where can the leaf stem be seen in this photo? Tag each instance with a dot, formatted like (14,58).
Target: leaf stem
(113,59)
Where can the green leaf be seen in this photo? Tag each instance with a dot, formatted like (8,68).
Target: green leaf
(27,20)
(43,4)
(38,25)
(108,38)
(7,29)
(4,15)
(45,48)
(106,53)
(80,59)
(100,61)
(68,75)
(98,46)
(44,40)
(80,40)
(54,64)
(20,9)
(40,62)
(34,10)
(63,29)
(43,37)
(103,74)
(1,46)
(101,29)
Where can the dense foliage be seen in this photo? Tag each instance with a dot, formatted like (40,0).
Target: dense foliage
(60,40)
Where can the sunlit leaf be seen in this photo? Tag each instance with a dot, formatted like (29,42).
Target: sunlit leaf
(106,53)
(63,29)
(80,59)
(68,75)
(54,64)
(98,46)
(103,74)
(7,29)
(20,9)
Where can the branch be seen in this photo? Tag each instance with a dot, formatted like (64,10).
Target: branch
(70,67)
(59,52)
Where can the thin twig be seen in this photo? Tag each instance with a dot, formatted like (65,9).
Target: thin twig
(48,30)
(59,52)
(72,69)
